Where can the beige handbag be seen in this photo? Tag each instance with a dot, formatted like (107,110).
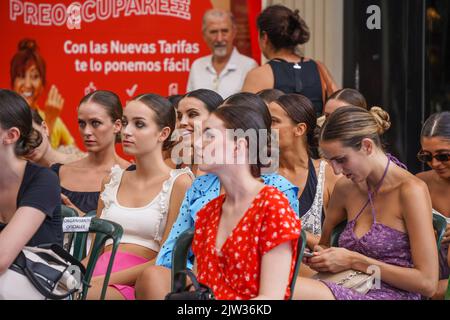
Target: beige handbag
(351,279)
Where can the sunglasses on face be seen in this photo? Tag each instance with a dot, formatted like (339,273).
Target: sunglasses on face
(424,157)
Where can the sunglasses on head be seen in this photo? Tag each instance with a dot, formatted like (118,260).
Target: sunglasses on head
(424,156)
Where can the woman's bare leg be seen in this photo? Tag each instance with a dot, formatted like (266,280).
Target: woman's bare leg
(310,289)
(95,291)
(153,283)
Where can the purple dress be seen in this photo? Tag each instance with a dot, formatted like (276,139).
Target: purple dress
(382,243)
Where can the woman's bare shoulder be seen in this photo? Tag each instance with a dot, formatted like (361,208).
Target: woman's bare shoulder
(412,187)
(123,163)
(258,79)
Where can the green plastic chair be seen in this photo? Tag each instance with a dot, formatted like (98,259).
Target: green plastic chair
(180,255)
(439,225)
(334,241)
(67,212)
(80,240)
(301,244)
(447,295)
(103,230)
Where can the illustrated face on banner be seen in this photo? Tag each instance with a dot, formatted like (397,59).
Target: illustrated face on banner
(29,85)
(219,35)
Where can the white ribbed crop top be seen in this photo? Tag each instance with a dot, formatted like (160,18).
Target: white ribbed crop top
(143,226)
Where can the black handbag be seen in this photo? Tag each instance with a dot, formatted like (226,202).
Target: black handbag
(199,292)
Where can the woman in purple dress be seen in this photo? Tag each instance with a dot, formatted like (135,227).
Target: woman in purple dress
(388,211)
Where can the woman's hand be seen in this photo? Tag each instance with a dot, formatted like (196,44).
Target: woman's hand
(331,259)
(53,106)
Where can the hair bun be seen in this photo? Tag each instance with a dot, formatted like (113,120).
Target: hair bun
(382,118)
(298,30)
(29,142)
(28,44)
(294,19)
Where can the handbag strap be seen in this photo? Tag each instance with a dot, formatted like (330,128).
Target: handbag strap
(58,250)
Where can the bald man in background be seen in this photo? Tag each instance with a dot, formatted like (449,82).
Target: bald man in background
(224,70)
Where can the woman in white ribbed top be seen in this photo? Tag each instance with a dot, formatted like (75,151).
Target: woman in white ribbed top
(144,199)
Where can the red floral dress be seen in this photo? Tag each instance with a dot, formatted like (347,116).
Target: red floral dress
(234,271)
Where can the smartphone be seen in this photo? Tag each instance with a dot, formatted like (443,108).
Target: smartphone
(308,254)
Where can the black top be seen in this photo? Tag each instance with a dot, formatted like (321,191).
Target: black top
(307,197)
(85,201)
(40,189)
(302,78)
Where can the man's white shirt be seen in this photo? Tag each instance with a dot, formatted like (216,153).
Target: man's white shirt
(228,82)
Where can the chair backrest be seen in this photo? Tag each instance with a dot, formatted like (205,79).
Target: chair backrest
(301,244)
(180,255)
(67,212)
(80,240)
(439,225)
(334,241)
(104,230)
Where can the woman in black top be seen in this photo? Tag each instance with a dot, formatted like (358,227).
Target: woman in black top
(30,211)
(99,122)
(293,116)
(281,30)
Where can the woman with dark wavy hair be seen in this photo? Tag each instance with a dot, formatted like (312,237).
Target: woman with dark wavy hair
(281,30)
(30,211)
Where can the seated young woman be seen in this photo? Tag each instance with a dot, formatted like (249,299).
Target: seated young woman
(30,210)
(388,211)
(245,240)
(154,282)
(99,122)
(192,110)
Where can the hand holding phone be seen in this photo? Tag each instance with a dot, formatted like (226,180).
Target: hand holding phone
(308,254)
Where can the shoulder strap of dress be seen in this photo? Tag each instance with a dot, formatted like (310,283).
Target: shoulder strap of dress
(164,199)
(168,185)
(279,60)
(321,178)
(55,168)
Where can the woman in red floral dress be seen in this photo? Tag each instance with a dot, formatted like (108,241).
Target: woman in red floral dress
(245,240)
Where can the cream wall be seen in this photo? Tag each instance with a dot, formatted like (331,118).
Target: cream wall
(325,19)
